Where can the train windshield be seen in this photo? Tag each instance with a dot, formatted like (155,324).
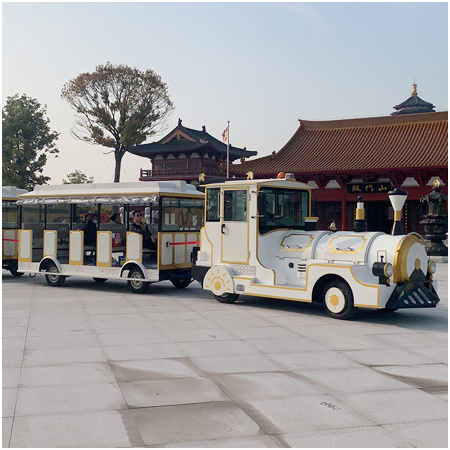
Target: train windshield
(282,208)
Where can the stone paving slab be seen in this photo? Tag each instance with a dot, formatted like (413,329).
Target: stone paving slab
(90,365)
(152,369)
(69,374)
(180,391)
(95,429)
(359,379)
(401,406)
(362,437)
(65,399)
(432,434)
(257,386)
(172,424)
(239,442)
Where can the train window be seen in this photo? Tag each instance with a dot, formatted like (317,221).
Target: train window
(235,206)
(282,208)
(59,213)
(9,215)
(58,218)
(32,214)
(80,212)
(213,205)
(181,214)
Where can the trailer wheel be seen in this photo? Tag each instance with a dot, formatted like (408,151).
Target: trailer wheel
(338,300)
(52,278)
(14,271)
(226,298)
(137,284)
(181,283)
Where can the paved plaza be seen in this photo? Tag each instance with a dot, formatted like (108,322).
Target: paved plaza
(93,365)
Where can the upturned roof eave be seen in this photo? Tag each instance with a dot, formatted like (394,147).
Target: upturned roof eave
(414,101)
(198,136)
(155,148)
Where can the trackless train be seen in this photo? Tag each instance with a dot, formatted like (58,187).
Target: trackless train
(259,239)
(252,237)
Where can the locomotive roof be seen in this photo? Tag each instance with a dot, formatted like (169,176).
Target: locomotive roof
(271,182)
(139,189)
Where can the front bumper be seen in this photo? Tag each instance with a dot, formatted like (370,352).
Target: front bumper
(413,295)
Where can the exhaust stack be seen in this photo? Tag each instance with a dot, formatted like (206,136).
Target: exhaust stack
(360,223)
(398,199)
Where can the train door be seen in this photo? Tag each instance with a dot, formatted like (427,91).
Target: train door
(234,226)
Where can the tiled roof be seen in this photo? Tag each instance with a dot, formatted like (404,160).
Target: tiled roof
(409,141)
(197,140)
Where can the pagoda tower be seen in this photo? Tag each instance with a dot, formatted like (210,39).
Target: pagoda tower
(413,105)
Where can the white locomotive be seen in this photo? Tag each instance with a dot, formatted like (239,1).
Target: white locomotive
(259,239)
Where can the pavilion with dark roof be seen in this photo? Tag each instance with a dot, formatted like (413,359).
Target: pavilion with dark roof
(413,105)
(369,156)
(184,153)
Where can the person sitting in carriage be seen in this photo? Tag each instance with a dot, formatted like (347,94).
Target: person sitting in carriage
(138,226)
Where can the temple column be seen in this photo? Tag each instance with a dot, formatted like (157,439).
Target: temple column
(344,210)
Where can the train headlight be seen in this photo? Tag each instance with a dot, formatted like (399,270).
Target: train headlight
(383,271)
(432,267)
(388,270)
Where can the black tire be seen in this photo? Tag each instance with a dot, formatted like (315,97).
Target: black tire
(100,280)
(226,298)
(51,277)
(137,285)
(181,283)
(337,298)
(14,272)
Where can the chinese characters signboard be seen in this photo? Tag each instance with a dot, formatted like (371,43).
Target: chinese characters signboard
(368,188)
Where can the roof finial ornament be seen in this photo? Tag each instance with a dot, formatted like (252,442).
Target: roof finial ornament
(204,127)
(414,89)
(179,122)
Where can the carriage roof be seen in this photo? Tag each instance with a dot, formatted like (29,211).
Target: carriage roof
(11,192)
(104,192)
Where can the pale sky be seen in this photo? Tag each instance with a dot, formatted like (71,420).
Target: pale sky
(262,66)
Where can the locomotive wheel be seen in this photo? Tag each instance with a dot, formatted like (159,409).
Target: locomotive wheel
(99,280)
(181,283)
(52,278)
(226,298)
(338,300)
(137,285)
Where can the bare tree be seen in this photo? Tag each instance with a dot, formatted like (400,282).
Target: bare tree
(118,107)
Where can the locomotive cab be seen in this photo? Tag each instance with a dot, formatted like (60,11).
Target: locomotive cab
(260,239)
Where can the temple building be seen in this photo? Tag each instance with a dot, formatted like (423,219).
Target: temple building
(184,153)
(413,105)
(369,156)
